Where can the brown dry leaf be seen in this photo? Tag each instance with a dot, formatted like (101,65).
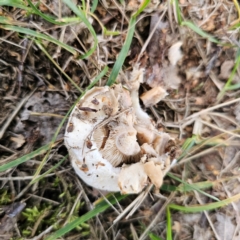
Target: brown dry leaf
(211,164)
(200,101)
(135,4)
(226,69)
(176,227)
(193,72)
(160,72)
(210,91)
(229,154)
(18,140)
(210,24)
(166,76)
(154,76)
(153,96)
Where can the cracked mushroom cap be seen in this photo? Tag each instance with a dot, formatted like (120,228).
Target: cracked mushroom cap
(102,140)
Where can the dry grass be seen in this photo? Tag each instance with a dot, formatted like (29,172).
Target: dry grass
(42,74)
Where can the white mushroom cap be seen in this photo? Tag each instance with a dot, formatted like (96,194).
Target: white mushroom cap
(112,142)
(105,137)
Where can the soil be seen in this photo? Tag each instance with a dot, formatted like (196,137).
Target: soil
(196,61)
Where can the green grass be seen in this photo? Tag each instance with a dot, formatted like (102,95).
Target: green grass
(169,224)
(205,207)
(125,49)
(190,145)
(229,86)
(99,208)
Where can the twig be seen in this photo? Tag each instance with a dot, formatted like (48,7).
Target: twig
(206,214)
(12,43)
(153,223)
(211,109)
(39,220)
(220,129)
(7,149)
(109,203)
(44,199)
(48,230)
(73,207)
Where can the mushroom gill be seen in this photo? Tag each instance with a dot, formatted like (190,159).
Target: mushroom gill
(118,145)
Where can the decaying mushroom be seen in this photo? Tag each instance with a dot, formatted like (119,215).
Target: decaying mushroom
(112,143)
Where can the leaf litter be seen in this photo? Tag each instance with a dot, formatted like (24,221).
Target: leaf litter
(184,74)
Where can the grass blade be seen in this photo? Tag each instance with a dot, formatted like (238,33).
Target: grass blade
(206,207)
(94,6)
(193,187)
(178,11)
(198,185)
(50,170)
(57,66)
(40,36)
(15,3)
(168,188)
(63,121)
(233,87)
(124,51)
(199,31)
(187,145)
(153,236)
(101,207)
(44,16)
(188,188)
(26,157)
(82,16)
(141,7)
(169,224)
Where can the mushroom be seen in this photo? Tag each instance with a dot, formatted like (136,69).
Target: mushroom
(112,143)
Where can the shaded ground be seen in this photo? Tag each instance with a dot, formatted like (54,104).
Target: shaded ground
(202,106)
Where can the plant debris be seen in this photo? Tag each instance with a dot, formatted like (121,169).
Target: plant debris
(181,135)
